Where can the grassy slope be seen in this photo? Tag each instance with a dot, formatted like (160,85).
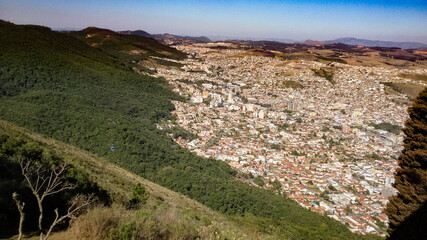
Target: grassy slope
(58,86)
(118,183)
(415,77)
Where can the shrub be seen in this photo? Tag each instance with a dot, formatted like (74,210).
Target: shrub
(125,231)
(139,196)
(98,222)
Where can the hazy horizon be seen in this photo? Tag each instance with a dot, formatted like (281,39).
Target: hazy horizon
(403,21)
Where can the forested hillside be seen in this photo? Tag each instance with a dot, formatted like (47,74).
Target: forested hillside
(59,86)
(127,205)
(130,47)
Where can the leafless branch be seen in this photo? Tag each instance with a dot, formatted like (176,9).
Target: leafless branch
(55,182)
(44,183)
(79,203)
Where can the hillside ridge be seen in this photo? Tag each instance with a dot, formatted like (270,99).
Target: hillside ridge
(83,96)
(377,43)
(117,181)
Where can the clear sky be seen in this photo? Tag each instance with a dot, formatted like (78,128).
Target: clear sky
(397,20)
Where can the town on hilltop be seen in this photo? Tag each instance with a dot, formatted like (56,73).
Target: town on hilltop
(325,135)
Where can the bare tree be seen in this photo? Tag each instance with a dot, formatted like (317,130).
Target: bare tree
(20,205)
(78,204)
(44,182)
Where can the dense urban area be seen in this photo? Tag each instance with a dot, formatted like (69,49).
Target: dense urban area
(326,135)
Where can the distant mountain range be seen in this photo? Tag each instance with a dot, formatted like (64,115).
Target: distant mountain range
(377,43)
(171,39)
(168,38)
(312,42)
(137,32)
(347,41)
(228,38)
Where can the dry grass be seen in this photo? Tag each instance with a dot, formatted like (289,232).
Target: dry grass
(298,56)
(288,74)
(409,89)
(254,53)
(373,59)
(98,222)
(116,222)
(415,77)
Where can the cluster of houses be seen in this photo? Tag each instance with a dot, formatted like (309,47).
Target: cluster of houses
(317,138)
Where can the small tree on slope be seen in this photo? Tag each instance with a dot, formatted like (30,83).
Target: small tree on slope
(45,182)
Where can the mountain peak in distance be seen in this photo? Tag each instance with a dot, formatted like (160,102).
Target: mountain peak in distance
(312,42)
(137,32)
(377,43)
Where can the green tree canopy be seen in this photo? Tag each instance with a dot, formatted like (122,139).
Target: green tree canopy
(411,176)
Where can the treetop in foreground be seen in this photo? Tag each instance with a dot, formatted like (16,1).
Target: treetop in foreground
(407,211)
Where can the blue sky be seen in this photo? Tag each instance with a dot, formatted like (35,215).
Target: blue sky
(299,20)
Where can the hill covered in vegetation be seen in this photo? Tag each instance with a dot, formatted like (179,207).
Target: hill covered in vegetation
(126,46)
(59,86)
(162,213)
